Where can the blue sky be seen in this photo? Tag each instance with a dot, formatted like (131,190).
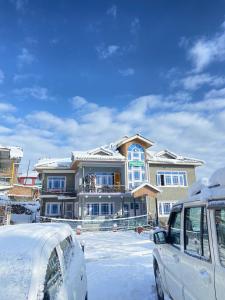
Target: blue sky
(78,74)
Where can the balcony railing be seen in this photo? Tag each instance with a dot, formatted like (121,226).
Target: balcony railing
(102,189)
(63,192)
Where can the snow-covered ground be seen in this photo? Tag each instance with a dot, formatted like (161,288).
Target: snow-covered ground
(119,266)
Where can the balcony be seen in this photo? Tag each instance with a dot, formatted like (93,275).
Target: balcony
(104,189)
(59,192)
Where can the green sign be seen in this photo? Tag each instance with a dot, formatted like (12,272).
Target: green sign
(136,163)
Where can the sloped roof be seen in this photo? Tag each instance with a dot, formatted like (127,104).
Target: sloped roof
(127,139)
(82,155)
(52,163)
(15,152)
(168,157)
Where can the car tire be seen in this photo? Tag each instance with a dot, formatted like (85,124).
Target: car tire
(159,285)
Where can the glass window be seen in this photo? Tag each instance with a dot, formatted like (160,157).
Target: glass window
(196,239)
(53,208)
(220,229)
(53,277)
(169,178)
(105,209)
(56,182)
(175,229)
(166,208)
(137,175)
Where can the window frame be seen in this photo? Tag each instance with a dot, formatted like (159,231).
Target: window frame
(182,178)
(50,204)
(217,244)
(175,211)
(52,189)
(100,204)
(195,255)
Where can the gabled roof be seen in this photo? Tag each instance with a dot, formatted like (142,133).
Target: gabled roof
(127,139)
(168,157)
(101,150)
(146,184)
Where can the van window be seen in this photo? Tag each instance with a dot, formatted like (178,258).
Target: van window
(174,229)
(66,245)
(53,277)
(220,229)
(196,238)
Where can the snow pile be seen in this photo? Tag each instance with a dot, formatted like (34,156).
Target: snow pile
(198,186)
(218,177)
(16,152)
(53,163)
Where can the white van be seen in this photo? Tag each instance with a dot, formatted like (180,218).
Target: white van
(189,257)
(41,262)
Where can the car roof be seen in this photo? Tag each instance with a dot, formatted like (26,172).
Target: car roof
(20,245)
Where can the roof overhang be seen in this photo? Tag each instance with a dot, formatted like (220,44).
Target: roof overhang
(148,143)
(145,189)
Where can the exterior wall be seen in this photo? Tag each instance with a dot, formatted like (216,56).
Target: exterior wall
(172,193)
(62,203)
(70,186)
(23,193)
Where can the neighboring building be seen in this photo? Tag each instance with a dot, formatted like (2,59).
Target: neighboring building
(10,158)
(29,179)
(124,178)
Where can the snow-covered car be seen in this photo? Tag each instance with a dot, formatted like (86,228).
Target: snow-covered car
(189,258)
(41,262)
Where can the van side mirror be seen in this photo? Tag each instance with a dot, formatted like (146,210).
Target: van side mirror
(160,237)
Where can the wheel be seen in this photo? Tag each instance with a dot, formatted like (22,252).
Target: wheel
(159,286)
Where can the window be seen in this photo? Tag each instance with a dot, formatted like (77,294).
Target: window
(99,209)
(137,175)
(53,209)
(53,277)
(220,229)
(136,165)
(66,246)
(174,229)
(104,179)
(164,208)
(171,178)
(196,239)
(56,183)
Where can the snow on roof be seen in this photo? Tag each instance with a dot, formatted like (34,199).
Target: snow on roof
(90,155)
(168,157)
(127,139)
(15,152)
(51,163)
(218,177)
(20,259)
(30,174)
(146,184)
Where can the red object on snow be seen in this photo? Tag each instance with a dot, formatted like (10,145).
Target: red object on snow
(139,229)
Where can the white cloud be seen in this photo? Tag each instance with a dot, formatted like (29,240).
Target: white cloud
(127,72)
(25,58)
(112,11)
(36,92)
(207,50)
(6,107)
(135,26)
(190,128)
(195,81)
(2,76)
(105,52)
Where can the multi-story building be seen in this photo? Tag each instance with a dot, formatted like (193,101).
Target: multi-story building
(10,158)
(124,178)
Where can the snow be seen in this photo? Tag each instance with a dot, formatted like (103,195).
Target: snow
(53,163)
(119,265)
(197,187)
(218,177)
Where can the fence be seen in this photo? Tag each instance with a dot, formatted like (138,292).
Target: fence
(103,224)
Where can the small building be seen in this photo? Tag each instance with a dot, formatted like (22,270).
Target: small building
(122,179)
